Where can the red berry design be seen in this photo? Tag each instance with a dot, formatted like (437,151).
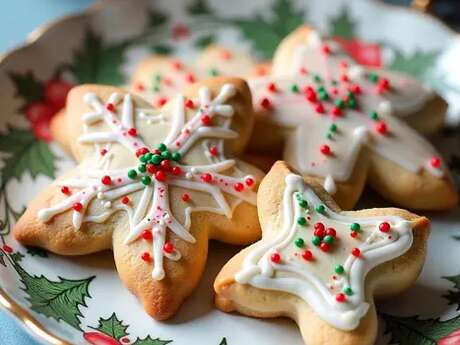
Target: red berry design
(185,197)
(38,111)
(161,101)
(276,258)
(336,111)
(435,162)
(319,108)
(340,298)
(125,200)
(7,249)
(213,151)
(206,120)
(55,93)
(106,180)
(77,206)
(141,151)
(99,338)
(265,103)
(190,78)
(132,132)
(110,107)
(319,230)
(65,190)
(180,32)
(41,130)
(147,235)
(146,257)
(168,247)
(151,168)
(189,104)
(238,187)
(354,234)
(325,49)
(165,165)
(206,177)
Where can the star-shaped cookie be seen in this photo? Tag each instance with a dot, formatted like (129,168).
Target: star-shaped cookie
(319,265)
(337,124)
(152,184)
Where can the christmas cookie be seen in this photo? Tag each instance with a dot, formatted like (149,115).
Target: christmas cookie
(336,123)
(152,184)
(319,265)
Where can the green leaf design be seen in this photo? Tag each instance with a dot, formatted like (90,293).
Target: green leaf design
(60,300)
(342,26)
(266,34)
(157,18)
(2,259)
(223,342)
(29,88)
(204,41)
(96,62)
(149,341)
(199,7)
(414,331)
(35,251)
(26,153)
(453,296)
(163,49)
(113,327)
(417,64)
(17,257)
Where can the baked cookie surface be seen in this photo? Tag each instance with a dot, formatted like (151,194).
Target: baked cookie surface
(154,185)
(319,265)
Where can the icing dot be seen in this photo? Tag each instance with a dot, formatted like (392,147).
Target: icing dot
(435,162)
(340,297)
(319,108)
(275,257)
(185,197)
(147,235)
(325,49)
(110,107)
(339,269)
(176,170)
(213,150)
(65,190)
(161,101)
(189,104)
(265,103)
(324,247)
(249,181)
(356,252)
(307,255)
(344,77)
(177,65)
(146,180)
(384,227)
(103,152)
(146,257)
(206,177)
(125,200)
(160,176)
(206,120)
(336,111)
(238,186)
(271,87)
(132,174)
(325,149)
(225,54)
(106,180)
(354,234)
(168,247)
(165,165)
(151,168)
(132,132)
(310,94)
(77,206)
(190,78)
(303,70)
(139,86)
(381,127)
(320,209)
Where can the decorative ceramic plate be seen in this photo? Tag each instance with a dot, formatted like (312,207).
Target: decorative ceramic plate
(81,300)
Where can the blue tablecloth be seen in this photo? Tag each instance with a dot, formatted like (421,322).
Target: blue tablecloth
(17,19)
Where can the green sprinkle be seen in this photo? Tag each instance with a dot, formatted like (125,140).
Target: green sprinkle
(141,168)
(157,77)
(162,147)
(317,78)
(156,159)
(156,89)
(334,82)
(339,269)
(329,136)
(146,180)
(166,154)
(323,95)
(303,203)
(328,239)
(320,89)
(143,158)
(348,291)
(213,72)
(148,156)
(333,128)
(339,103)
(352,103)
(299,242)
(176,156)
(295,88)
(132,174)
(373,77)
(355,227)
(316,240)
(374,115)
(320,209)
(301,221)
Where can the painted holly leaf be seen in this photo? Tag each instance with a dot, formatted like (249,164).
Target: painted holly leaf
(27,87)
(199,7)
(35,251)
(223,342)
(163,49)
(113,327)
(266,34)
(60,299)
(343,25)
(2,259)
(415,331)
(97,62)
(25,153)
(456,238)
(157,18)
(416,64)
(204,41)
(17,257)
(453,296)
(149,341)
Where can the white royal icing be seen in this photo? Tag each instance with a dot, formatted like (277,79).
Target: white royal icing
(151,210)
(315,281)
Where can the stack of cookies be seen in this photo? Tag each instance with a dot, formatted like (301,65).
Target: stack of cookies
(271,156)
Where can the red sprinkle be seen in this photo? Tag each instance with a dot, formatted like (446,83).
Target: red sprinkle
(325,149)
(354,234)
(383,84)
(77,206)
(132,132)
(319,230)
(340,298)
(146,257)
(206,120)
(125,200)
(384,227)
(106,180)
(141,151)
(310,94)
(265,103)
(435,162)
(185,197)
(331,232)
(65,190)
(103,152)
(249,182)
(324,247)
(213,151)
(110,107)
(307,255)
(356,252)
(238,187)
(355,89)
(336,111)
(175,170)
(275,257)
(151,168)
(303,70)
(139,86)
(165,165)
(190,78)
(147,235)
(319,108)
(226,54)
(168,247)
(177,65)
(189,104)
(206,177)
(381,127)
(161,101)
(160,175)
(343,77)
(271,87)
(325,49)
